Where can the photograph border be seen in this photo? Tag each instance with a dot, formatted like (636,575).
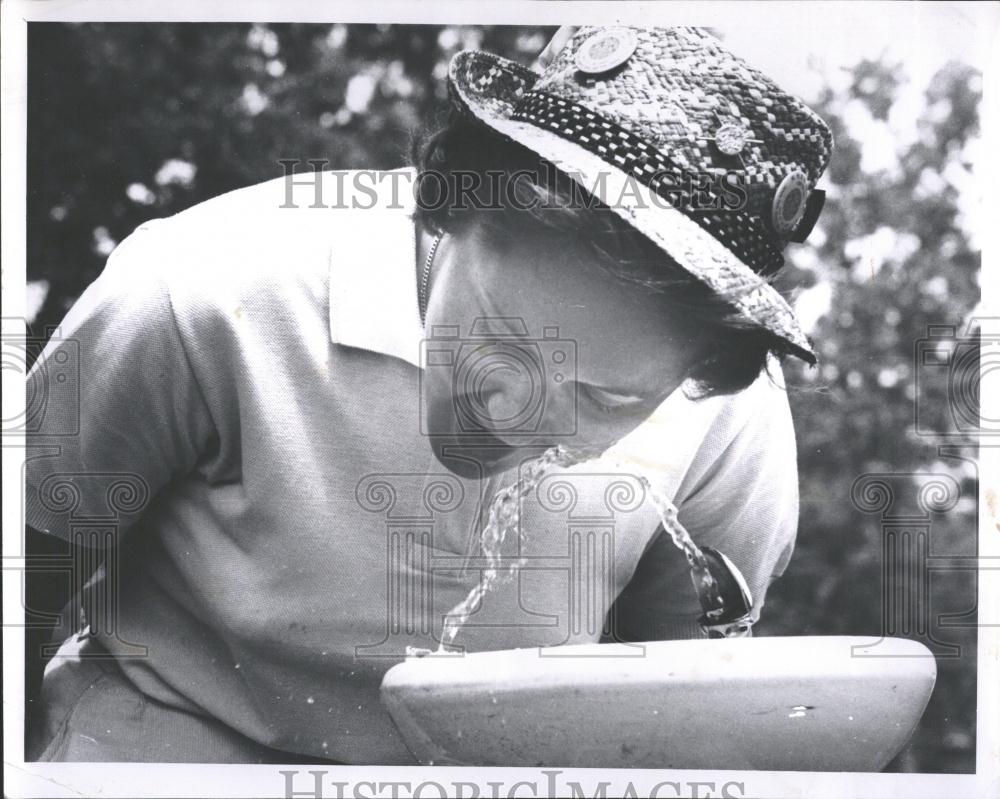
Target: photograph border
(176,780)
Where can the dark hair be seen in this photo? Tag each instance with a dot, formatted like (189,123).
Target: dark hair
(469,175)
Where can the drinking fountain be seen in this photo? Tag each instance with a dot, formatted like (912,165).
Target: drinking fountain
(812,703)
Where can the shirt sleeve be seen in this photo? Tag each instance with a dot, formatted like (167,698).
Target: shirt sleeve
(740,496)
(115,411)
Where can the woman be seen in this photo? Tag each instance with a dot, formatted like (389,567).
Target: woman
(296,413)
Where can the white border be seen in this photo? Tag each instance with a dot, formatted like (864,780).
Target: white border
(988,688)
(135,780)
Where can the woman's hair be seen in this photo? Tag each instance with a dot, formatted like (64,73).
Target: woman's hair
(470,176)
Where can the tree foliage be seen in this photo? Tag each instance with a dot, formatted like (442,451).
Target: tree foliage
(894,257)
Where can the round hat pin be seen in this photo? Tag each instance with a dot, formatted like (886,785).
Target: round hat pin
(605,50)
(789,203)
(731,138)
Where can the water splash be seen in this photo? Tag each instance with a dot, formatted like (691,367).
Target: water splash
(701,576)
(505,516)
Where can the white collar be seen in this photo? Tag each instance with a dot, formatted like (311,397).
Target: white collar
(373,281)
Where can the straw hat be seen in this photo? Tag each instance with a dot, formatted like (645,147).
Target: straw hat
(659,123)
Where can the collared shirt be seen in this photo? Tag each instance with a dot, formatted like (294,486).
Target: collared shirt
(237,399)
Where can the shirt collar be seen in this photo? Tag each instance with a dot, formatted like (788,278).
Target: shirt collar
(373,282)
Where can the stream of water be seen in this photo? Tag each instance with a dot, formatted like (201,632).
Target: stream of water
(505,516)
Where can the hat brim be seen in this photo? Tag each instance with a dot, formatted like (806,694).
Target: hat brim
(488,87)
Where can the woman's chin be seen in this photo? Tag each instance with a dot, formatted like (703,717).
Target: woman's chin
(473,457)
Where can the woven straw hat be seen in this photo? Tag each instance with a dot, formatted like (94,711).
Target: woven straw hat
(655,122)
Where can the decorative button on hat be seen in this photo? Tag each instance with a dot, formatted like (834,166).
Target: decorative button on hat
(789,203)
(605,50)
(732,138)
(636,114)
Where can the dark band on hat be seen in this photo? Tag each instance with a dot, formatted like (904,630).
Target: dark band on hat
(744,234)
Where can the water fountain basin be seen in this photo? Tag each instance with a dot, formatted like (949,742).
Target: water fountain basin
(812,703)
